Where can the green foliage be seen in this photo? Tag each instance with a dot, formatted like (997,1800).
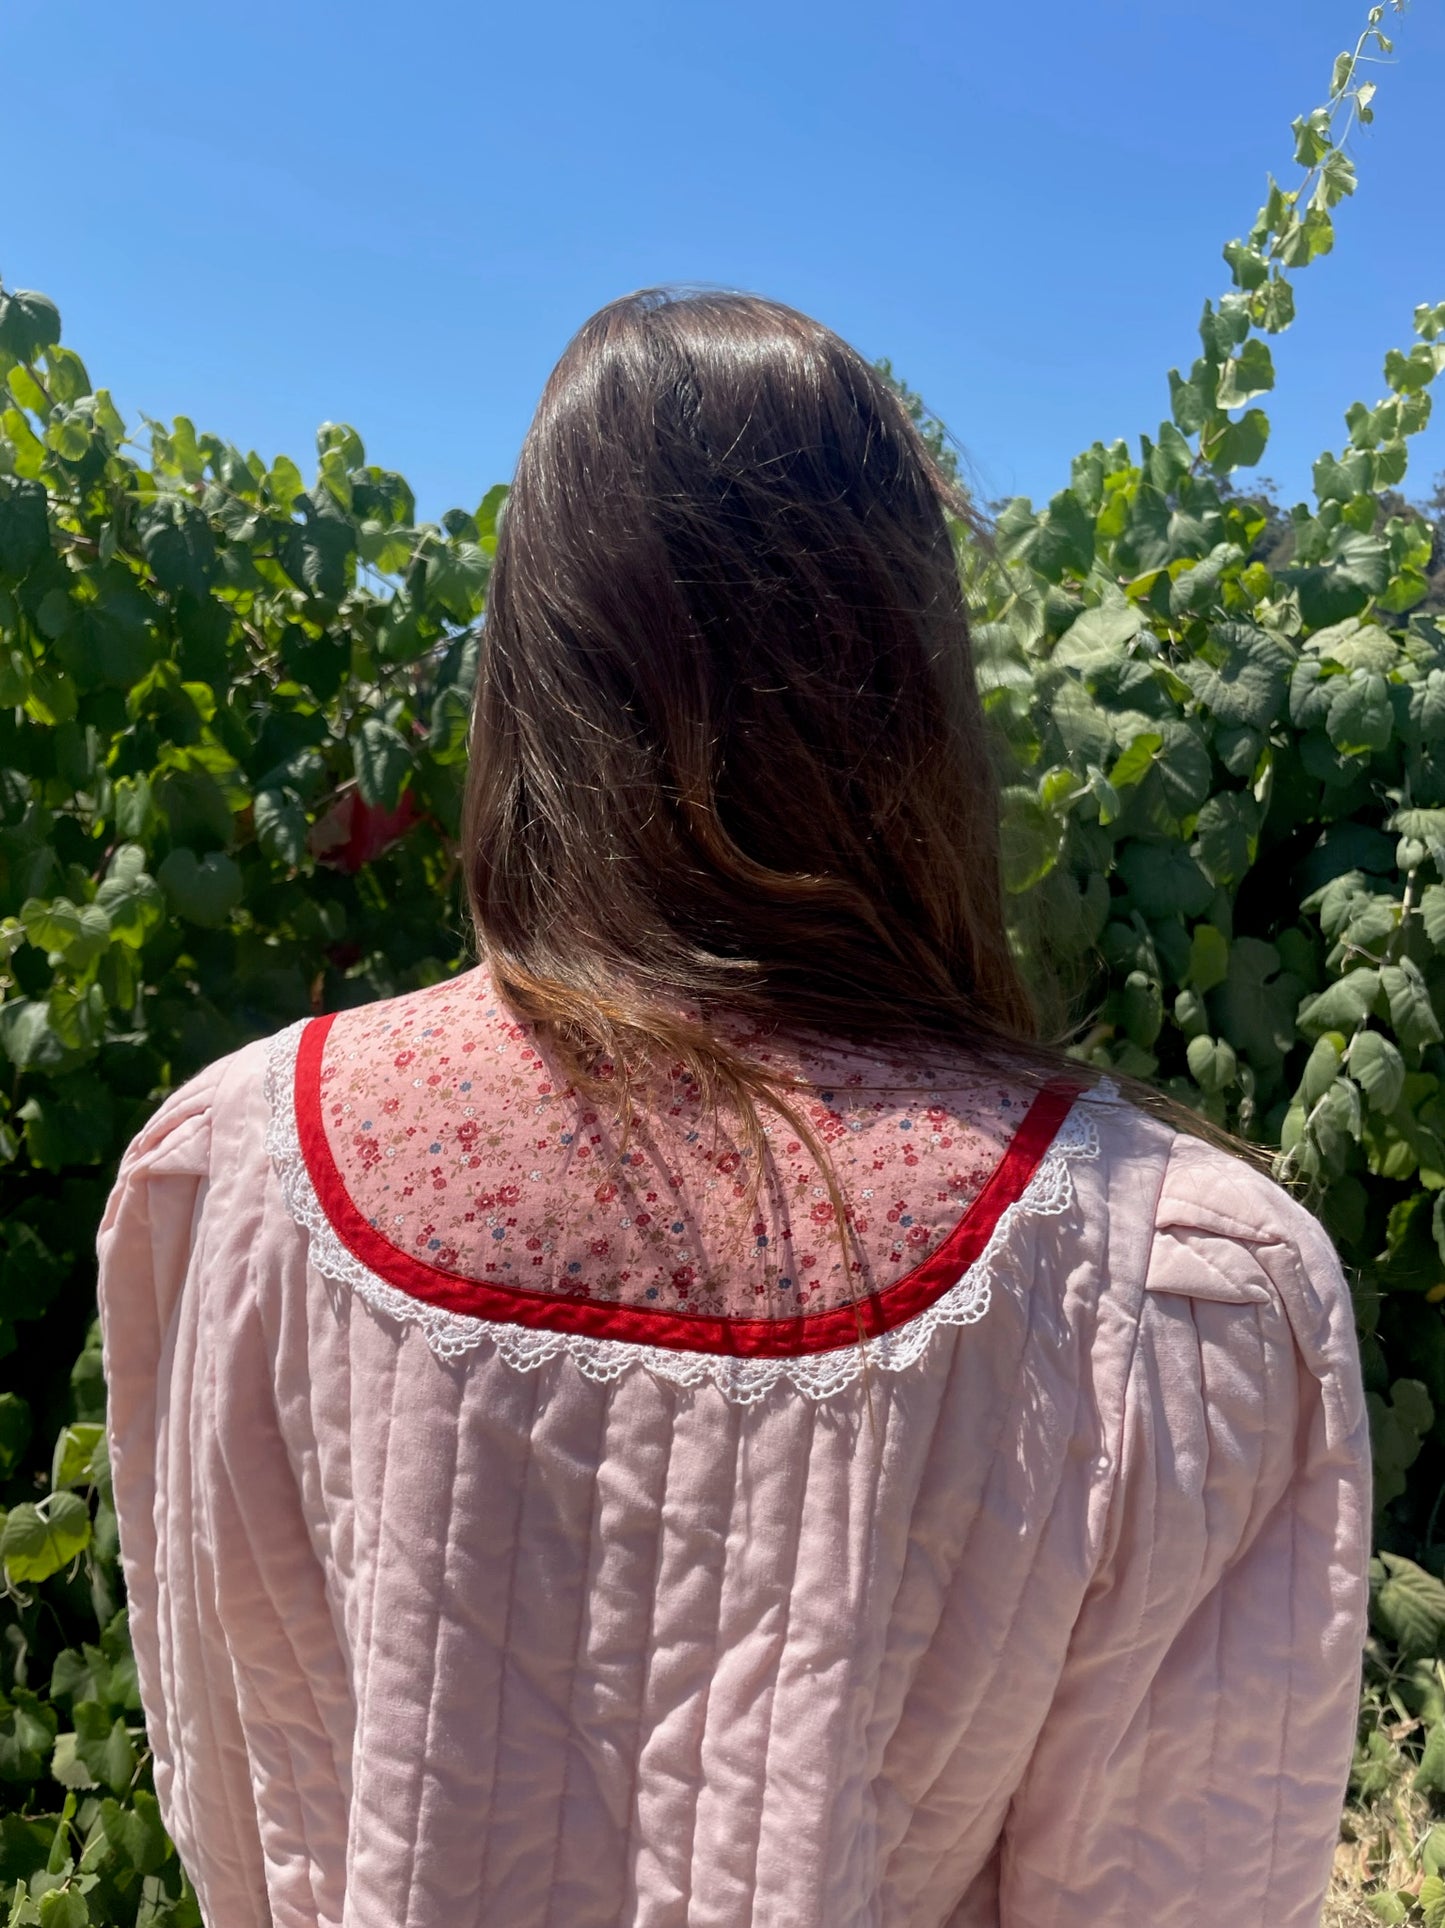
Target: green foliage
(233,721)
(1250,757)
(232,740)
(1250,754)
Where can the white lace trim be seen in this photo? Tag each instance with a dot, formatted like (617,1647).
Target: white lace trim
(1049,1193)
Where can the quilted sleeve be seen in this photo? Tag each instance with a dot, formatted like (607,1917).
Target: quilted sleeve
(240,1674)
(1193,1766)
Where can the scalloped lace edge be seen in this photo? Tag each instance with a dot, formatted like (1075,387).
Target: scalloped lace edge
(1048,1194)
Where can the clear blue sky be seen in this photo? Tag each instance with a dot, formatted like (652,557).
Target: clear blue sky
(269,215)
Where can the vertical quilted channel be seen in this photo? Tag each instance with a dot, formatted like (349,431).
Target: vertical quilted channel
(379,1378)
(682,1621)
(851,1824)
(553,1457)
(425,1623)
(578,1885)
(649,1528)
(987,1505)
(315,1419)
(191,1606)
(710,1636)
(183,1556)
(746,1635)
(475,1683)
(595,1840)
(773,1869)
(827,1675)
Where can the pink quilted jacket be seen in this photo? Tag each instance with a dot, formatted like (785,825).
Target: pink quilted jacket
(520,1539)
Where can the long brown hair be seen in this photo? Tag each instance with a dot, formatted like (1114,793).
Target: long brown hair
(727,749)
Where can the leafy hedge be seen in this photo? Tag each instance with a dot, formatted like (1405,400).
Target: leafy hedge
(233,716)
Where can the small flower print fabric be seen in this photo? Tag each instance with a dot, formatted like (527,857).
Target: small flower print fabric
(450,1155)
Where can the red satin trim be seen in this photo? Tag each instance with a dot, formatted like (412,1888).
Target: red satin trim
(784,1338)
